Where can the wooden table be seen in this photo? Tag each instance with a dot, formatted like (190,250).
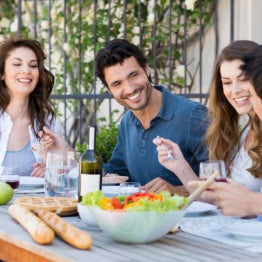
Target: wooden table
(17,245)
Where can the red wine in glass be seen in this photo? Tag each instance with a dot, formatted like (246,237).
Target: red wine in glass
(12,180)
(13,183)
(221,179)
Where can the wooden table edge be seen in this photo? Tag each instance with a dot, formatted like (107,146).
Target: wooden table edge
(14,249)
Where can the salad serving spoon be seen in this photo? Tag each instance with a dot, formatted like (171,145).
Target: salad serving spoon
(195,194)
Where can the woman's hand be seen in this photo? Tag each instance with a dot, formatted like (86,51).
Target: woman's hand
(165,145)
(178,165)
(52,141)
(38,170)
(231,198)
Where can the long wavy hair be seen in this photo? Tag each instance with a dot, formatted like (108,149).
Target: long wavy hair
(255,151)
(223,134)
(40,106)
(253,72)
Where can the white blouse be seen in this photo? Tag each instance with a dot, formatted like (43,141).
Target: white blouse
(6,126)
(241,163)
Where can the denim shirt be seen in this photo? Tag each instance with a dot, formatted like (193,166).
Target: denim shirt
(180,120)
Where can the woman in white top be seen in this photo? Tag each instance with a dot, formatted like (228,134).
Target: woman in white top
(25,106)
(231,198)
(229,98)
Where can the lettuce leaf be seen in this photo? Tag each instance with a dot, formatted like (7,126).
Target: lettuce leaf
(168,203)
(92,198)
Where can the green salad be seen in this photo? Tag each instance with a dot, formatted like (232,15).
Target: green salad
(137,202)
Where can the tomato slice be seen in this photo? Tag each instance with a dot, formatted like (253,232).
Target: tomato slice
(116,203)
(142,195)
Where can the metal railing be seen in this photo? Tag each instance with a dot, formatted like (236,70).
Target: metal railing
(87,96)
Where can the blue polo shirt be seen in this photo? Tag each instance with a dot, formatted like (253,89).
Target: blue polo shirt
(180,120)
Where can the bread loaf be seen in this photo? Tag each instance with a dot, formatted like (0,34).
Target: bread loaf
(39,231)
(67,232)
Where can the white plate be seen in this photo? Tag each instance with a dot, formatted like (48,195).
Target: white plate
(113,179)
(30,182)
(246,231)
(198,208)
(29,191)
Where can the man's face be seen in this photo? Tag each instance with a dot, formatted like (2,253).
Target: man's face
(129,84)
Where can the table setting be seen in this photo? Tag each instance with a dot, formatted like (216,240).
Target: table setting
(201,219)
(191,222)
(198,218)
(243,233)
(205,220)
(179,246)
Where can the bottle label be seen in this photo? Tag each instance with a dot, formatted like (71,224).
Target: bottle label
(89,183)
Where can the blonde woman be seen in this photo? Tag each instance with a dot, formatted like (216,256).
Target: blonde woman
(232,198)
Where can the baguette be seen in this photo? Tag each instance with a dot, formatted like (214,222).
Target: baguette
(39,231)
(67,232)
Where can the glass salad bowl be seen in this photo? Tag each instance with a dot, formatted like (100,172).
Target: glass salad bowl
(145,222)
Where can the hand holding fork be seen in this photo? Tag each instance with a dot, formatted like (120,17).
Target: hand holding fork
(169,154)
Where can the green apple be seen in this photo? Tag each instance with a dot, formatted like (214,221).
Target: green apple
(6,193)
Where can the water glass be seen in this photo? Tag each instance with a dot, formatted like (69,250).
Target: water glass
(10,176)
(129,188)
(207,168)
(61,175)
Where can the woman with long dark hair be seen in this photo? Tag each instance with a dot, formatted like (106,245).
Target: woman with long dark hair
(25,105)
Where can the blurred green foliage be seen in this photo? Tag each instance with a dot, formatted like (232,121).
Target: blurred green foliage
(106,139)
(71,32)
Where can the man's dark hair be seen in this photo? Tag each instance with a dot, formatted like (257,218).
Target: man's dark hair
(253,69)
(114,52)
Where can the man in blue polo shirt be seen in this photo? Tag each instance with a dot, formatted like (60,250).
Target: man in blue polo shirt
(153,111)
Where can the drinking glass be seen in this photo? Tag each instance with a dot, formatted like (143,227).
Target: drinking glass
(10,176)
(207,168)
(129,188)
(61,175)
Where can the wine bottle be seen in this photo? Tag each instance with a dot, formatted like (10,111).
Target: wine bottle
(90,178)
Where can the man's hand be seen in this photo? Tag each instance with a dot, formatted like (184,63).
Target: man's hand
(39,170)
(158,184)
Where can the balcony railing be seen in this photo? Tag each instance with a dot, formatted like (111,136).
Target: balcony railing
(173,35)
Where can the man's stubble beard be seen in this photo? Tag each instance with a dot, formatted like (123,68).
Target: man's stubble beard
(148,89)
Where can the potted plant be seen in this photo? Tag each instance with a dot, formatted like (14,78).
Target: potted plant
(106,140)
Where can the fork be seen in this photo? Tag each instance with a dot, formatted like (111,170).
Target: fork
(169,155)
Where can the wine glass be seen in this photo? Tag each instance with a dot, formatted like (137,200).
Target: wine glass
(10,176)
(207,168)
